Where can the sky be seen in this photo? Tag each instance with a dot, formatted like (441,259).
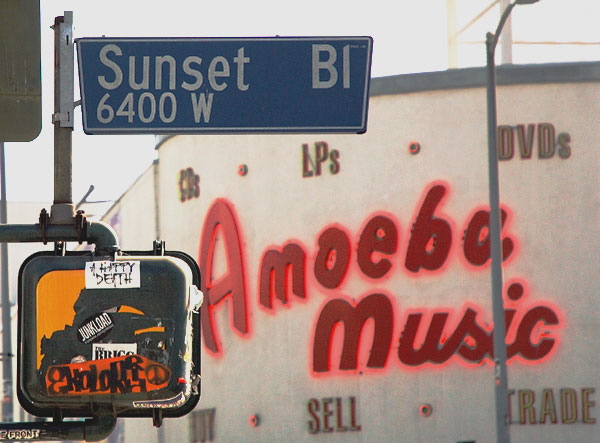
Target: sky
(409,37)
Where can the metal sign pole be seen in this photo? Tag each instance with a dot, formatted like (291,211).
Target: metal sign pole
(7,372)
(63,210)
(499,341)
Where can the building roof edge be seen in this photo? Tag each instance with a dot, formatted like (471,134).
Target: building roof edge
(465,78)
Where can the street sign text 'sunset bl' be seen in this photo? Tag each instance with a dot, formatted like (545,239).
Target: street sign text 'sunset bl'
(245,85)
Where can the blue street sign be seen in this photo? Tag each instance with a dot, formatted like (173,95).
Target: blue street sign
(224,85)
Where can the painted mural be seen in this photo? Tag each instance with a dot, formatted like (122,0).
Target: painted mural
(347,278)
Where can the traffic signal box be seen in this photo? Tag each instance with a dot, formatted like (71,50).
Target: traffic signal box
(98,332)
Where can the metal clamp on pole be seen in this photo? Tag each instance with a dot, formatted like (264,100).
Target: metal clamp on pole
(80,225)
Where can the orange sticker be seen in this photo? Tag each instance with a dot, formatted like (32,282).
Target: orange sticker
(118,375)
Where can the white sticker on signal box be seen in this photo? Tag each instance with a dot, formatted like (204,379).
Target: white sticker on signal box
(110,350)
(112,274)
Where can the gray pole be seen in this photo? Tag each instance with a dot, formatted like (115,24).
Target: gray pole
(7,388)
(500,374)
(500,369)
(63,208)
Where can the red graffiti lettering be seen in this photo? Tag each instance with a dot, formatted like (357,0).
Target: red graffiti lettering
(476,246)
(380,235)
(333,258)
(469,340)
(426,336)
(431,237)
(275,268)
(220,215)
(353,318)
(438,350)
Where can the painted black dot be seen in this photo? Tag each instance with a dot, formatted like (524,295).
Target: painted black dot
(515,291)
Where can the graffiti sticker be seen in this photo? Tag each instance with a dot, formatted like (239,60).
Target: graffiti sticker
(112,274)
(109,350)
(118,375)
(95,327)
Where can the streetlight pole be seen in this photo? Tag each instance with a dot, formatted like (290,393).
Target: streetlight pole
(500,372)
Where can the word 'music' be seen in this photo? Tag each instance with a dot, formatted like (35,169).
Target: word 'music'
(463,333)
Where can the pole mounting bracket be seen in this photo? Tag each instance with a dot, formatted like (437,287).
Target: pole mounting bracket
(81,226)
(44,218)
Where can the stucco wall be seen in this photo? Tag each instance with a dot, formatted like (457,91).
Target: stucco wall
(411,223)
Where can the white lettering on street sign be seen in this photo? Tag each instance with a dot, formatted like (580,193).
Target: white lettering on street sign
(224,85)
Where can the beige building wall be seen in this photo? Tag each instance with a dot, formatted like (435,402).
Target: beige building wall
(394,219)
(133,216)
